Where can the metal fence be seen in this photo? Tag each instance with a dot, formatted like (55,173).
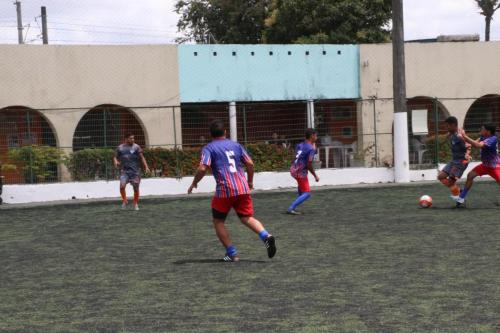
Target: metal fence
(52,145)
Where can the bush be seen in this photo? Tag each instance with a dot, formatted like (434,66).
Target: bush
(38,163)
(92,164)
(96,163)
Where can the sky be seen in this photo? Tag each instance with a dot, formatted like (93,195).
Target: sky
(154,21)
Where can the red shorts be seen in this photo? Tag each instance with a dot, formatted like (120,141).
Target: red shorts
(303,184)
(482,170)
(242,204)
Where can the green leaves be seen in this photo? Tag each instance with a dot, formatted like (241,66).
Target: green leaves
(284,21)
(96,163)
(39,163)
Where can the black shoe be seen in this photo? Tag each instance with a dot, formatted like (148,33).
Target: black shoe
(229,258)
(270,244)
(293,212)
(460,205)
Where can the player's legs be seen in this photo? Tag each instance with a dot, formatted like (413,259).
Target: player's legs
(449,176)
(243,205)
(477,171)
(123,193)
(135,181)
(220,209)
(304,194)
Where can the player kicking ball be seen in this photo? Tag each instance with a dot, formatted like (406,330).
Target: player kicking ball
(303,164)
(226,159)
(488,143)
(127,159)
(460,151)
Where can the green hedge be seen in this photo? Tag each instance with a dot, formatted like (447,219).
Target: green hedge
(92,164)
(96,163)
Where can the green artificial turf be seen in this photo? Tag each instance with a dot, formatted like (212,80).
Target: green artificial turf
(359,260)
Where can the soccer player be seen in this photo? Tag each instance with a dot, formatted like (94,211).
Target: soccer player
(303,164)
(127,159)
(226,159)
(488,143)
(460,151)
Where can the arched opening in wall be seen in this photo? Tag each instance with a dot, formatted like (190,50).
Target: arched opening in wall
(484,110)
(425,126)
(28,152)
(104,127)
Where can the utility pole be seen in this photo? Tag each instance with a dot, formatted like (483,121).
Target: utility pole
(19,22)
(401,151)
(45,34)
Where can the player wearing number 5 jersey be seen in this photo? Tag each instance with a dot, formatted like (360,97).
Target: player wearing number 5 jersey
(303,164)
(227,159)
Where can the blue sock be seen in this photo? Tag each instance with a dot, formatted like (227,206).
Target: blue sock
(231,250)
(263,235)
(464,192)
(300,200)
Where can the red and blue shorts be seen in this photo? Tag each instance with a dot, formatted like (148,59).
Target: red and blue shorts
(242,204)
(303,183)
(482,170)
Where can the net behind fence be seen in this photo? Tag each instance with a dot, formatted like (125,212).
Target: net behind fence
(41,146)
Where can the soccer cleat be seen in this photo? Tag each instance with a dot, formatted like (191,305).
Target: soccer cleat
(460,202)
(293,212)
(270,244)
(136,207)
(124,205)
(229,258)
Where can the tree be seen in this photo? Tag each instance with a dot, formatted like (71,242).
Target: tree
(488,9)
(328,21)
(284,21)
(222,21)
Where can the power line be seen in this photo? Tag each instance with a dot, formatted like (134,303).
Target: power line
(111,27)
(111,32)
(93,23)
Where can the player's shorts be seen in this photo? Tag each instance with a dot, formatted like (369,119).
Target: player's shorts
(482,170)
(133,179)
(303,183)
(456,169)
(242,204)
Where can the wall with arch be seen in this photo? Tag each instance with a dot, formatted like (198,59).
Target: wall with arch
(456,73)
(65,82)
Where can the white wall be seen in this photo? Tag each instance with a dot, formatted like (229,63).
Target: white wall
(15,194)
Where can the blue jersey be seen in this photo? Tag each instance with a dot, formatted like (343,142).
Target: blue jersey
(489,152)
(304,153)
(226,158)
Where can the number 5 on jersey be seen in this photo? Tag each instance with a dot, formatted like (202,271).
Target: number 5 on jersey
(232,161)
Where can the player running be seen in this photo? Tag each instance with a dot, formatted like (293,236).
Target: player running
(460,151)
(303,164)
(226,159)
(127,159)
(488,143)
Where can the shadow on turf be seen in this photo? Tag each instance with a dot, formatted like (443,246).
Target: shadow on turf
(215,261)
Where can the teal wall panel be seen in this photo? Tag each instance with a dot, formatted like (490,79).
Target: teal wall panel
(222,73)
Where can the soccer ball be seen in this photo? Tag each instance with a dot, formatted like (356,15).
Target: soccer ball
(425,201)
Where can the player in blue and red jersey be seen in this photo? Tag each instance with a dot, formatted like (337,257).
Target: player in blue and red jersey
(226,158)
(301,166)
(488,143)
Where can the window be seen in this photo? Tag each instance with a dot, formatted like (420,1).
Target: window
(341,113)
(347,132)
